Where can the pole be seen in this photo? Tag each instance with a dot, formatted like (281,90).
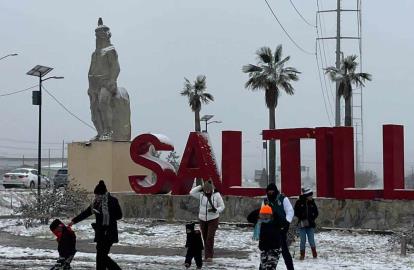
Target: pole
(63,152)
(267,165)
(338,63)
(206,125)
(39,155)
(48,172)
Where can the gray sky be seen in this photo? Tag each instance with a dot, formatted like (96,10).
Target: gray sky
(161,42)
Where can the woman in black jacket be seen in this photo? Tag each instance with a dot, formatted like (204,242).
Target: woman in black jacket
(306,211)
(107,211)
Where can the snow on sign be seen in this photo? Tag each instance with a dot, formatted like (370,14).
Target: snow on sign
(334,163)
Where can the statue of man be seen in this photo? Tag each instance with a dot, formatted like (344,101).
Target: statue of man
(103,74)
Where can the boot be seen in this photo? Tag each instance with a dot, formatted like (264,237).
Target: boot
(302,255)
(314,254)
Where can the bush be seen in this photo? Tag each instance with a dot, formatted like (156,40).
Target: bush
(62,202)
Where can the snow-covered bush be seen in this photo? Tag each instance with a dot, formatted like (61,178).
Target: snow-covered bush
(62,202)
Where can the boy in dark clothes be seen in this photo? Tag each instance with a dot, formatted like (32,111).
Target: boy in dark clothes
(194,245)
(66,239)
(268,233)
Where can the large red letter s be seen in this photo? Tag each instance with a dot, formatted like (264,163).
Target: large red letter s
(141,154)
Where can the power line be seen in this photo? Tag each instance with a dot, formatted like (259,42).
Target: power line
(27,148)
(24,141)
(319,20)
(18,91)
(66,109)
(320,81)
(303,18)
(284,30)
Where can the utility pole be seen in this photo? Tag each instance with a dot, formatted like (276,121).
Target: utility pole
(63,153)
(48,172)
(338,51)
(338,63)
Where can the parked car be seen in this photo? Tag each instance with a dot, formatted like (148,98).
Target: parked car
(61,178)
(24,177)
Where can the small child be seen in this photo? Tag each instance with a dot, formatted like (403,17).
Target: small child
(66,239)
(267,232)
(194,245)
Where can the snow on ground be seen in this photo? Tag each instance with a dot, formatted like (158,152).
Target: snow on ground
(337,250)
(10,199)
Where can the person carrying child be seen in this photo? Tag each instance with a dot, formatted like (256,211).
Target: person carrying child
(66,239)
(268,232)
(194,245)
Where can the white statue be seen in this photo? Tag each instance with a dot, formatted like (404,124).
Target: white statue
(109,104)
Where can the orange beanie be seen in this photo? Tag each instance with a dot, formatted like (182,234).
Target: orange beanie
(266,209)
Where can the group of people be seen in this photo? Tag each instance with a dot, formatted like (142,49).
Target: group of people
(107,212)
(272,221)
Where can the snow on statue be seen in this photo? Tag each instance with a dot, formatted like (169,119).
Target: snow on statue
(109,103)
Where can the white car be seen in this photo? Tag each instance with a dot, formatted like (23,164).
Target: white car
(24,177)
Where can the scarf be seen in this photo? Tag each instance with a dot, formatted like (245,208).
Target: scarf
(256,231)
(102,201)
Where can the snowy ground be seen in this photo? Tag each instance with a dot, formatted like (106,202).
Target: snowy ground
(337,250)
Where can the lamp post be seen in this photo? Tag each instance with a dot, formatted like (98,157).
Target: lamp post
(11,54)
(207,117)
(40,71)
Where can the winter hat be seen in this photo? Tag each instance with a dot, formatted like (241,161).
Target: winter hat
(307,192)
(100,188)
(272,186)
(190,226)
(55,224)
(266,210)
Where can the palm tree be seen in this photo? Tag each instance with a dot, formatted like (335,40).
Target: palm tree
(197,95)
(346,77)
(271,75)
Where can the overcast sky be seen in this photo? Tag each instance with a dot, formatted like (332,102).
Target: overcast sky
(161,42)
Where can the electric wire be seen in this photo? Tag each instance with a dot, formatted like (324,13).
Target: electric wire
(319,19)
(18,91)
(29,142)
(67,110)
(285,31)
(320,81)
(300,14)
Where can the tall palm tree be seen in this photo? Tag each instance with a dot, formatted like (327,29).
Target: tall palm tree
(271,75)
(346,77)
(197,95)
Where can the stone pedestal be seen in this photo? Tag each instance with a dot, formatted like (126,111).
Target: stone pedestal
(88,162)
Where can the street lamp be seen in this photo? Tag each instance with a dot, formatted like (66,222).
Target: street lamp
(207,117)
(11,54)
(40,71)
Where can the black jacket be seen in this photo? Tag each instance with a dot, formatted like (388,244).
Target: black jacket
(306,209)
(67,243)
(194,241)
(108,233)
(269,237)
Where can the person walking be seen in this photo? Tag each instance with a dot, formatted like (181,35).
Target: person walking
(267,232)
(283,214)
(107,211)
(210,207)
(307,212)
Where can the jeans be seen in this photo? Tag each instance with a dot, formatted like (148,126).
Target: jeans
(208,230)
(310,232)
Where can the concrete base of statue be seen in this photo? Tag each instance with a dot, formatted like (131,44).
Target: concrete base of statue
(88,162)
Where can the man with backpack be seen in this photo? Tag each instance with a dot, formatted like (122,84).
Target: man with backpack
(282,211)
